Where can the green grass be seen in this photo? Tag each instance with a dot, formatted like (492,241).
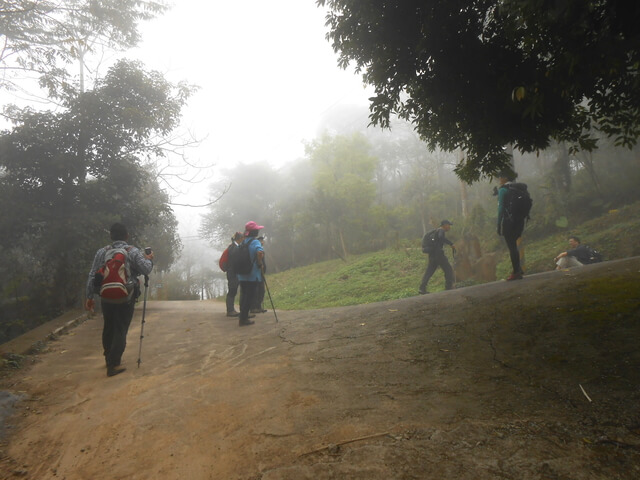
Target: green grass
(373,277)
(396,273)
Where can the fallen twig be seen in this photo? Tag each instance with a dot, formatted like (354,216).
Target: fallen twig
(585,393)
(615,443)
(334,445)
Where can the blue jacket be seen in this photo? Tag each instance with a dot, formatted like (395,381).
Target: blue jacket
(254,247)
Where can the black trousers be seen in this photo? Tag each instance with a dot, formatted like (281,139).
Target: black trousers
(438,259)
(117,318)
(232,285)
(511,234)
(248,294)
(259,299)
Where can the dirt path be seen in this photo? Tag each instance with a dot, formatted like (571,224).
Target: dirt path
(482,382)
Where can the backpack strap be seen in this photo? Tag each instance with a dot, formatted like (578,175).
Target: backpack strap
(248,246)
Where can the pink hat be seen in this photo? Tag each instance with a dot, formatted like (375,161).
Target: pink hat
(250,226)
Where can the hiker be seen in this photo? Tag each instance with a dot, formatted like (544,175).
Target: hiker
(433,244)
(232,278)
(511,217)
(258,305)
(117,316)
(577,256)
(249,282)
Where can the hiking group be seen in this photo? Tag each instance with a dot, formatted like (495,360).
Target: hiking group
(514,207)
(114,278)
(116,268)
(243,262)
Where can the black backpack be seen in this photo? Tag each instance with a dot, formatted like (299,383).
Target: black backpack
(517,202)
(594,255)
(240,258)
(429,241)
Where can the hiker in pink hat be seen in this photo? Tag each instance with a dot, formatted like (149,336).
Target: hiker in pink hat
(251,276)
(252,227)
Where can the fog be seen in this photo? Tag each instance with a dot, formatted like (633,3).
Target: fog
(276,132)
(267,78)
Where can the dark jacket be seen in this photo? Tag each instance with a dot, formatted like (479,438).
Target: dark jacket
(506,223)
(582,253)
(439,239)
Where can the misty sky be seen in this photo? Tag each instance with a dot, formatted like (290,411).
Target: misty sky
(267,75)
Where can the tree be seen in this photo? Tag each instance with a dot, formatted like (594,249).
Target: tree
(343,190)
(43,37)
(67,175)
(481,74)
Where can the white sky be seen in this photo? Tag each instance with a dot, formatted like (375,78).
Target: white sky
(266,75)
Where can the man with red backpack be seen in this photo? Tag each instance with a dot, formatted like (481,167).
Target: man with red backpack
(114,276)
(232,278)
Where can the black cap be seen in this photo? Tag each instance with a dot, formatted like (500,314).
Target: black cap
(445,222)
(510,175)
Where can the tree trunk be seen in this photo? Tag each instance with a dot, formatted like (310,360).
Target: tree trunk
(465,200)
(344,247)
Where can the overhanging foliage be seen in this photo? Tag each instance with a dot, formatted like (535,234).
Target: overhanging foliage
(478,75)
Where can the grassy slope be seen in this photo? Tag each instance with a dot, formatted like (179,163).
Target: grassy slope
(396,273)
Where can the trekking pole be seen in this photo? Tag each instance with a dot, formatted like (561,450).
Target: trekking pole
(144,310)
(264,279)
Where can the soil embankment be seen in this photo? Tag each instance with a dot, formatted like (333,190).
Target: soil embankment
(522,380)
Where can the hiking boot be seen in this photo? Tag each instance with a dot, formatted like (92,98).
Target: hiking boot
(514,276)
(112,371)
(247,322)
(233,314)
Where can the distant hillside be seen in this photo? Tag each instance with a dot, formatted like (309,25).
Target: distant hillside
(395,273)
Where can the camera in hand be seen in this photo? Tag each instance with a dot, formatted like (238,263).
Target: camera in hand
(148,251)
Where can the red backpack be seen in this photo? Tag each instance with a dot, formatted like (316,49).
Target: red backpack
(113,279)
(223,263)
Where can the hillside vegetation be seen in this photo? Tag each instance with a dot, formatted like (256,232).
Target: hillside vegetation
(395,273)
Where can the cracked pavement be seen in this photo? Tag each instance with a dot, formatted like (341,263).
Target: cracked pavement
(481,382)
